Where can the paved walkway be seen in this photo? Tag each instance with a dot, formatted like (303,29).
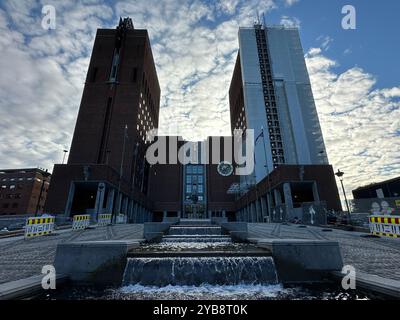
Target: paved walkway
(21,258)
(377,256)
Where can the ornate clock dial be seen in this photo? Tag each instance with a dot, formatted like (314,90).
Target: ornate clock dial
(225,169)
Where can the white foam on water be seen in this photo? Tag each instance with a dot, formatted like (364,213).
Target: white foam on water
(208,291)
(189,245)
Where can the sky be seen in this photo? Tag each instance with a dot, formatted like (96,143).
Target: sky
(354,73)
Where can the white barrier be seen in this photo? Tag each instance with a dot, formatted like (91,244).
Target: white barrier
(386,226)
(81,222)
(104,220)
(122,219)
(36,227)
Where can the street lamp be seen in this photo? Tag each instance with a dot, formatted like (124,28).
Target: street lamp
(340,175)
(65,154)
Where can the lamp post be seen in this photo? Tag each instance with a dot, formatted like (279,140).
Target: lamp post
(120,172)
(65,154)
(340,175)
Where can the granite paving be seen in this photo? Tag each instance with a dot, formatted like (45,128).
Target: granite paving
(21,258)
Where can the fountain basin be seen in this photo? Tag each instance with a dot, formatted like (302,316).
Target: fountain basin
(164,271)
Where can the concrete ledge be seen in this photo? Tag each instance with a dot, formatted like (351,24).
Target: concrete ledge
(374,283)
(173,220)
(152,230)
(303,260)
(95,262)
(25,287)
(219,220)
(237,230)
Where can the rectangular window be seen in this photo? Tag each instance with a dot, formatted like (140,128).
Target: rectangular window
(188,179)
(188,188)
(200,188)
(114,68)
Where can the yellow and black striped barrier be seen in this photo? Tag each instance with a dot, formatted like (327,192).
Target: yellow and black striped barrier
(385,226)
(104,220)
(81,222)
(39,226)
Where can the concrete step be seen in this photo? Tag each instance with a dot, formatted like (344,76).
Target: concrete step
(195,222)
(192,238)
(195,230)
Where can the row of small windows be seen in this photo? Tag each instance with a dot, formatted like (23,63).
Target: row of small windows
(7,205)
(197,188)
(144,121)
(194,169)
(11,196)
(269,99)
(20,179)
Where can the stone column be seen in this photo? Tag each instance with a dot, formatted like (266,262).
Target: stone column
(70,200)
(264,208)
(259,213)
(315,192)
(135,212)
(125,205)
(110,201)
(287,192)
(118,204)
(130,211)
(277,196)
(98,209)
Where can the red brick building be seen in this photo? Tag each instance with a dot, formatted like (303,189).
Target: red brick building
(23,191)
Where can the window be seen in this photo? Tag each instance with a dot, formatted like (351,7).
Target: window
(200,188)
(12,187)
(188,179)
(189,169)
(114,69)
(188,188)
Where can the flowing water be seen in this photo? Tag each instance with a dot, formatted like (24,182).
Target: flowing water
(195,261)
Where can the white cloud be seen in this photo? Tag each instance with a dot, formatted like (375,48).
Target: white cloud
(289,3)
(194,45)
(360,123)
(291,22)
(325,41)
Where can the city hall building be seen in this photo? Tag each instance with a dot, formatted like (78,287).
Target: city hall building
(108,172)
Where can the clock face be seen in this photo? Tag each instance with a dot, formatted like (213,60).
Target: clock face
(225,169)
